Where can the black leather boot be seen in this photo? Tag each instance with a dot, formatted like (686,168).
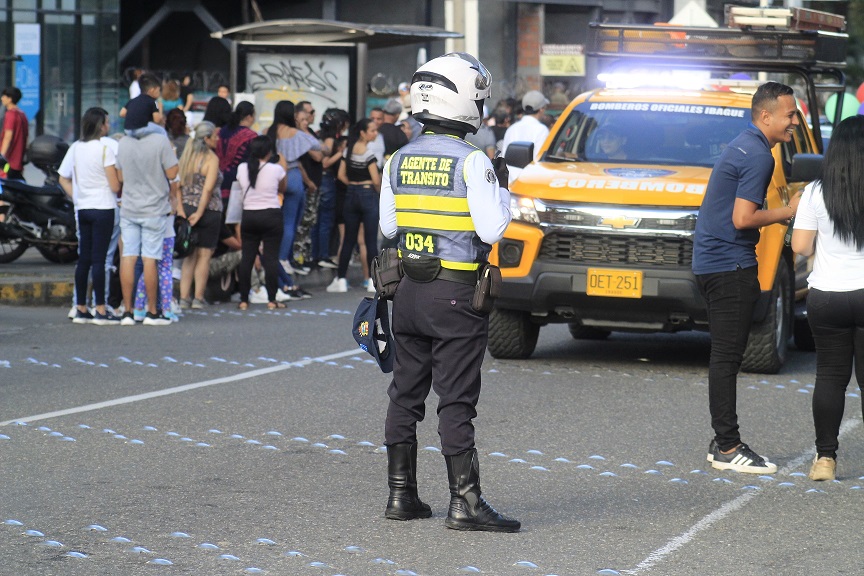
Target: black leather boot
(468,509)
(404,503)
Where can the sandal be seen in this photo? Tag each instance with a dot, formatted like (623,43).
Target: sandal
(243,306)
(275,305)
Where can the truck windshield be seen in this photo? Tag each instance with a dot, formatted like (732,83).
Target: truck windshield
(647,133)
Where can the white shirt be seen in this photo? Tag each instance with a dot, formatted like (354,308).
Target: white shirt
(488,203)
(528,129)
(838,265)
(377,148)
(134,89)
(85,164)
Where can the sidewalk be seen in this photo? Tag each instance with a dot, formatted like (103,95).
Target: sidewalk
(34,281)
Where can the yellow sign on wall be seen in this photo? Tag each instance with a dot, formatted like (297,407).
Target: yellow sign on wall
(562,60)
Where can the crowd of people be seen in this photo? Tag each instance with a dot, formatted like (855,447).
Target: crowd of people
(261,210)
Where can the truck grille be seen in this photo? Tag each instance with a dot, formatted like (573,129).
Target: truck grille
(589,248)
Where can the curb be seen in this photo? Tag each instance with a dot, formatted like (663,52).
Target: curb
(37,293)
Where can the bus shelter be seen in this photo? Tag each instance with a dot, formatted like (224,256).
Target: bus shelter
(322,61)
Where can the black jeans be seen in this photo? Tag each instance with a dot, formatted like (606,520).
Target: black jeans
(95,228)
(260,227)
(731,297)
(837,322)
(361,207)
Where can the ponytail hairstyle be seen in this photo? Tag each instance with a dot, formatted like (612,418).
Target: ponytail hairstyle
(332,123)
(283,114)
(843,181)
(362,125)
(194,150)
(259,148)
(242,110)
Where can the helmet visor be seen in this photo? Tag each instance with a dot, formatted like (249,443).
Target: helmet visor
(484,79)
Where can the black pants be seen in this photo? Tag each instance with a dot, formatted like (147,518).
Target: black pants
(257,227)
(440,343)
(731,297)
(837,322)
(94,228)
(361,207)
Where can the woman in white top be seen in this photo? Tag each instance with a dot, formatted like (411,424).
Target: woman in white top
(262,182)
(88,175)
(830,221)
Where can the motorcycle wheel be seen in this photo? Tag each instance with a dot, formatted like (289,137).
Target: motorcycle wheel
(59,254)
(11,249)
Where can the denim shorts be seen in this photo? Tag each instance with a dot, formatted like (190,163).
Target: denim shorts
(143,236)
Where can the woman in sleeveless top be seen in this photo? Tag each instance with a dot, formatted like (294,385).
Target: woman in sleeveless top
(359,172)
(199,182)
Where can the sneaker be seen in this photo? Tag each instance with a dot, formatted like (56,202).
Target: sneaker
(338,285)
(259,296)
(185,303)
(82,317)
(171,316)
(370,285)
(824,468)
(286,266)
(156,320)
(282,296)
(127,319)
(711,448)
(198,304)
(742,459)
(139,315)
(176,309)
(297,293)
(298,268)
(72,313)
(107,319)
(327,263)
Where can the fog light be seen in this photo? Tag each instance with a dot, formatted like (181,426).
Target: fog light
(510,253)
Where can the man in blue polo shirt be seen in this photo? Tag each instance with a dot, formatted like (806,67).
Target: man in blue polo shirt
(724,261)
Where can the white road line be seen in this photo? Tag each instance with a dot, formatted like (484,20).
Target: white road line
(659,555)
(178,389)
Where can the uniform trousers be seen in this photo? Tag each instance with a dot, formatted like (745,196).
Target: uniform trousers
(440,343)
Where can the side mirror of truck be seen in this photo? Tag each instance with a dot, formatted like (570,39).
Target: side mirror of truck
(519,154)
(805,167)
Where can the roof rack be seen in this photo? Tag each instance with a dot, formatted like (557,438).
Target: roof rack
(803,53)
(767,48)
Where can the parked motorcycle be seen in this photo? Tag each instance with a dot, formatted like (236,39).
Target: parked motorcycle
(39,216)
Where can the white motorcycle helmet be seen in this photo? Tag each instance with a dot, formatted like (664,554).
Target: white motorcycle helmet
(449,91)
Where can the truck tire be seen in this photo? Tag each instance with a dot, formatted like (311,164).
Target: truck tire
(766,348)
(802,336)
(511,334)
(580,332)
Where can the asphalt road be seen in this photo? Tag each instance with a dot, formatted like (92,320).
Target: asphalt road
(235,443)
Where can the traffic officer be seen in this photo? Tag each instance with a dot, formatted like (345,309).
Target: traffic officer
(441,196)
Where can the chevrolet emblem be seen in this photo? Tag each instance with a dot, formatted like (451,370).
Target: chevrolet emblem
(618,222)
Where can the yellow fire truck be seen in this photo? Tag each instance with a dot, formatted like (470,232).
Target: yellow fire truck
(603,222)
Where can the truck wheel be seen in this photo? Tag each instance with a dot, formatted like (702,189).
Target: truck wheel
(766,348)
(511,334)
(580,332)
(802,336)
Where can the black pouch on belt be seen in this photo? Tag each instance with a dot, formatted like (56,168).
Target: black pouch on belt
(420,268)
(387,272)
(487,290)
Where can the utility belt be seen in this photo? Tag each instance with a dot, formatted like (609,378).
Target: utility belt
(388,268)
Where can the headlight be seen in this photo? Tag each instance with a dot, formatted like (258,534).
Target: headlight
(523,209)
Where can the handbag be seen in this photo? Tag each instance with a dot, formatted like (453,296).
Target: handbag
(234,210)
